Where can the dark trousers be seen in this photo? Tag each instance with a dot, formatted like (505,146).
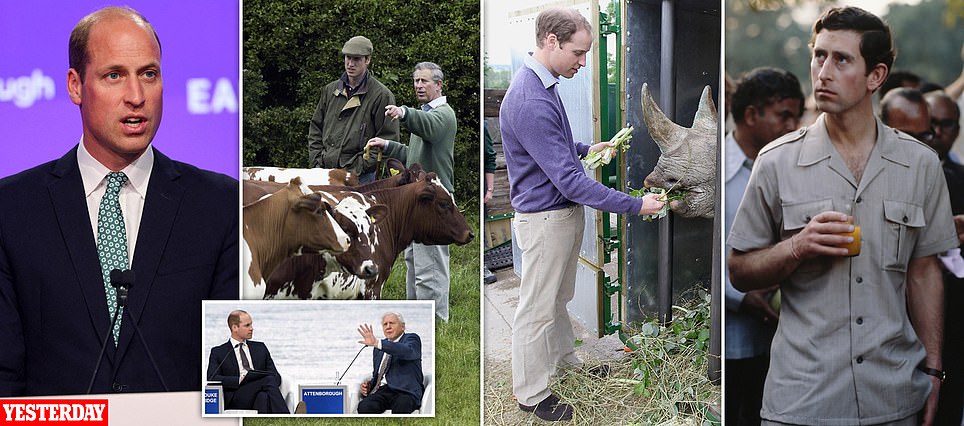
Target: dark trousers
(744,390)
(387,399)
(952,390)
(261,394)
(366,177)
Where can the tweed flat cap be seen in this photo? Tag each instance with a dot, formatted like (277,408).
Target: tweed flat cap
(357,46)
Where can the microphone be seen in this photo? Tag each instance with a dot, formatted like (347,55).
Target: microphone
(350,364)
(123,281)
(120,280)
(210,377)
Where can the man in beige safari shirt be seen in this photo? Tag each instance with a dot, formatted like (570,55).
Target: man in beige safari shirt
(859,338)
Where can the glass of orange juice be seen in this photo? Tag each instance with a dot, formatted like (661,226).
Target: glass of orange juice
(853,248)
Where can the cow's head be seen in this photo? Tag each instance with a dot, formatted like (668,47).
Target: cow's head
(356,216)
(688,160)
(310,225)
(436,216)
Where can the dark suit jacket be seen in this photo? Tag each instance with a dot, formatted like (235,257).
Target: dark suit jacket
(53,311)
(954,173)
(404,368)
(226,370)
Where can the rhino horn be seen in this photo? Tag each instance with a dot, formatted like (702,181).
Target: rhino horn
(706,119)
(664,131)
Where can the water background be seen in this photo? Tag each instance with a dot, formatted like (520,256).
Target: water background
(313,342)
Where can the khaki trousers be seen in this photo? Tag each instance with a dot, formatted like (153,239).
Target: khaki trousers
(542,335)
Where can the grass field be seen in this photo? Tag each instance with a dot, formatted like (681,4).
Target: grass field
(457,346)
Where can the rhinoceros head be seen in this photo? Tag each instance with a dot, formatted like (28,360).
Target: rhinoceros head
(688,160)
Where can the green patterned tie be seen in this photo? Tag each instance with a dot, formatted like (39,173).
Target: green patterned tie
(112,241)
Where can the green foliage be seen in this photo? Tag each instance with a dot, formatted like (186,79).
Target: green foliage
(292,49)
(668,354)
(928,36)
(925,45)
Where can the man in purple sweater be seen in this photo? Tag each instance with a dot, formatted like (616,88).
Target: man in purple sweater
(548,187)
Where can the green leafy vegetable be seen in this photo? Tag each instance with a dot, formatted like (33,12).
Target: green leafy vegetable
(666,196)
(620,141)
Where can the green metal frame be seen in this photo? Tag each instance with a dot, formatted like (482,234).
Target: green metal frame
(611,174)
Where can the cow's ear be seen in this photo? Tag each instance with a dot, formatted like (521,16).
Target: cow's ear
(377,212)
(309,202)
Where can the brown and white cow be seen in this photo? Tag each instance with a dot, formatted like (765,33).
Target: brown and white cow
(310,176)
(282,224)
(355,214)
(423,212)
(317,176)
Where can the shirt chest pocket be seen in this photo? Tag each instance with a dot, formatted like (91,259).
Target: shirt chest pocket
(901,227)
(797,215)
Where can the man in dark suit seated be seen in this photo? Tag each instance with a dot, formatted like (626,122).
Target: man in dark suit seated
(113,202)
(396,382)
(245,370)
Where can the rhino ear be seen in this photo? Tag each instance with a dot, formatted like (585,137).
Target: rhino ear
(664,131)
(706,119)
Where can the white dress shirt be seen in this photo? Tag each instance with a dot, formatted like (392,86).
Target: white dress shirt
(132,194)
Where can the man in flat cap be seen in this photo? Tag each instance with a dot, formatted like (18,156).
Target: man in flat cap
(350,112)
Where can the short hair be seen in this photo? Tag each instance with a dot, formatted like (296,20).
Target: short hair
(908,93)
(896,79)
(234,318)
(78,55)
(401,319)
(436,70)
(764,86)
(563,22)
(940,96)
(929,86)
(876,43)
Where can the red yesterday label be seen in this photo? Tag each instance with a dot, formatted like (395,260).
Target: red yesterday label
(53,411)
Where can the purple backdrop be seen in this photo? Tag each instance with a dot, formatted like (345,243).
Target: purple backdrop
(199,63)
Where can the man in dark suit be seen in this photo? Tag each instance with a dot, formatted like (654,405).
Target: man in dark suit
(245,370)
(396,382)
(112,202)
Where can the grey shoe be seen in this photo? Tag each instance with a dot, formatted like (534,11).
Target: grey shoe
(488,276)
(550,409)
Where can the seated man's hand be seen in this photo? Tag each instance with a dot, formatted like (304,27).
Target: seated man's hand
(368,337)
(395,112)
(364,389)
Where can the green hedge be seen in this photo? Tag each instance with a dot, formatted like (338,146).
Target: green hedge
(292,49)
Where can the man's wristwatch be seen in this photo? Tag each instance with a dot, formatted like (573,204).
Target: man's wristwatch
(940,374)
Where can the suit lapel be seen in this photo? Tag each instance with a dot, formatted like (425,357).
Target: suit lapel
(66,190)
(230,365)
(164,195)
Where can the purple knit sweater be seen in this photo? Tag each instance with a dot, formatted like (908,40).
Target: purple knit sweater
(541,157)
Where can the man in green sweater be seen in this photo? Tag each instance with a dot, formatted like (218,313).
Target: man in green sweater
(432,145)
(349,113)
